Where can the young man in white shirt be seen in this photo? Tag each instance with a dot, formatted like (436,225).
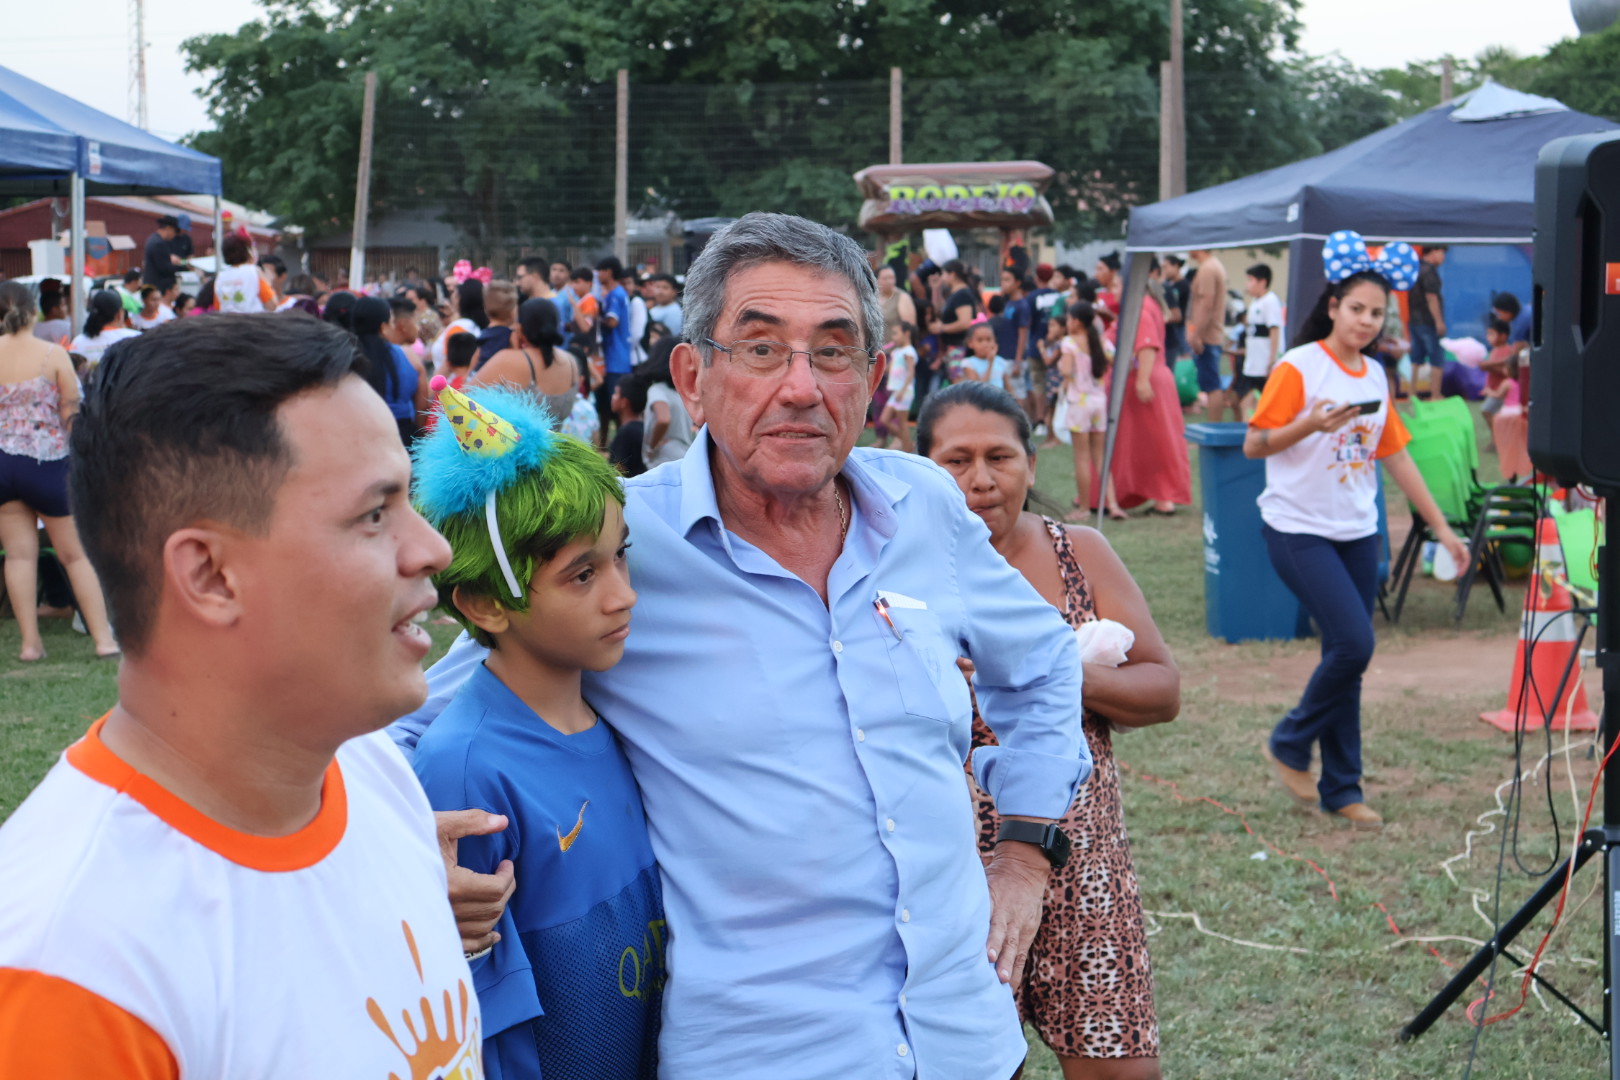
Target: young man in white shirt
(1262,338)
(234,871)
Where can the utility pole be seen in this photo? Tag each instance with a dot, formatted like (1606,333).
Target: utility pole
(137,64)
(1447,70)
(1173,113)
(894,116)
(362,187)
(621,170)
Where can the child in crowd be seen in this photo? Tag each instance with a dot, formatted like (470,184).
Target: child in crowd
(902,385)
(983,362)
(1051,352)
(1498,359)
(1262,338)
(1508,422)
(535,520)
(459,352)
(1082,363)
(154,312)
(629,405)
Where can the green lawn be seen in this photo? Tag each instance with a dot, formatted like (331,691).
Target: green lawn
(1226,1010)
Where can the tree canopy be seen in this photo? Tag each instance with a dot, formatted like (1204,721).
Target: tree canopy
(499,115)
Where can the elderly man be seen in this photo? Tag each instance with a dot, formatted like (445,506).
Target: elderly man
(790,703)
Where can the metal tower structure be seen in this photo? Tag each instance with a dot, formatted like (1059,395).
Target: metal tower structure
(137,63)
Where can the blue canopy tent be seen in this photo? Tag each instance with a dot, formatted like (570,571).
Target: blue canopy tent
(52,145)
(1460,173)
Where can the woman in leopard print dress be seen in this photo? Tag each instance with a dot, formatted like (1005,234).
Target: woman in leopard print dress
(1087,988)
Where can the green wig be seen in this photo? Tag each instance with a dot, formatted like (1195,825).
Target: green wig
(553,490)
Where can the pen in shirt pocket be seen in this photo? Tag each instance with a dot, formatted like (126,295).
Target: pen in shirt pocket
(881,606)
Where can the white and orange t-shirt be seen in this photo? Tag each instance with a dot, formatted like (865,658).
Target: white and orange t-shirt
(141,939)
(1325,484)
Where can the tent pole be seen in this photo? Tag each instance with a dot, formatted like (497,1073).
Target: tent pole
(76,249)
(219,234)
(1130,313)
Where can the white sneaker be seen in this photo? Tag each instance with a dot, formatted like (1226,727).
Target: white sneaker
(78,624)
(1040,431)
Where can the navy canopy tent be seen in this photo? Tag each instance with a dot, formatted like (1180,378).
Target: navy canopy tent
(1460,173)
(53,145)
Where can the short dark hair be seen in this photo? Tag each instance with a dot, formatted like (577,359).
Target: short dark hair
(1068,271)
(1427,248)
(400,307)
(633,388)
(534,264)
(998,303)
(168,221)
(275,261)
(1501,326)
(611,263)
(1260,272)
(460,349)
(1175,260)
(664,277)
(179,425)
(986,397)
(1506,301)
(560,262)
(581,273)
(234,249)
(131,275)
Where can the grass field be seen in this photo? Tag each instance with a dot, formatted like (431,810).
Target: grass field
(1330,1006)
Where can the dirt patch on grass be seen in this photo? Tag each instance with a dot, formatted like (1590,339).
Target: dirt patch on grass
(1437,669)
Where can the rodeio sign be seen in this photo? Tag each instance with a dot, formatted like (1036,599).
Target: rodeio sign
(962,195)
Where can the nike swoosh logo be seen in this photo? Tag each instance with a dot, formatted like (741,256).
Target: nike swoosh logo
(566,842)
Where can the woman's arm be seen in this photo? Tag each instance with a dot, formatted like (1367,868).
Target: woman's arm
(1263,442)
(424,399)
(1146,689)
(1145,359)
(67,386)
(660,424)
(503,369)
(1405,473)
(908,308)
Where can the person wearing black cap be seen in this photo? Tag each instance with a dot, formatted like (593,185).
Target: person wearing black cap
(161,265)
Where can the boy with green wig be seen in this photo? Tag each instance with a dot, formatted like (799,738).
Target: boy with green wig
(572,986)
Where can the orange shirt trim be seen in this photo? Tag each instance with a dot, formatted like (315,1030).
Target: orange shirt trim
(272,854)
(1281,400)
(56,1028)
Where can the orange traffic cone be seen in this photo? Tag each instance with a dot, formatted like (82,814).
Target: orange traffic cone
(1549,624)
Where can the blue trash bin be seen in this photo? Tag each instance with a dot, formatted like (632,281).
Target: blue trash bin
(1244,599)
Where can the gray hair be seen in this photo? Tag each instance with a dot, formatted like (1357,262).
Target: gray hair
(761,237)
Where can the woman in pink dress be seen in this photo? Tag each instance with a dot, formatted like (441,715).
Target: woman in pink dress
(1150,452)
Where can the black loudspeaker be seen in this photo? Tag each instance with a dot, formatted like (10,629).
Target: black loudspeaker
(1575,343)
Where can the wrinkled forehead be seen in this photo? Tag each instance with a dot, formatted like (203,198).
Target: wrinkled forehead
(788,295)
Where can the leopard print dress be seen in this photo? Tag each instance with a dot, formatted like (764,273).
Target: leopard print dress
(1088,987)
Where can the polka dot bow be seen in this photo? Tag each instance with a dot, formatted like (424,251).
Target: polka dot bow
(1346,253)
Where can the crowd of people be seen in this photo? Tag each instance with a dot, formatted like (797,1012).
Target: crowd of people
(695,765)
(737,833)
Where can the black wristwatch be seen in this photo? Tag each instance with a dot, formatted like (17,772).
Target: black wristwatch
(1052,840)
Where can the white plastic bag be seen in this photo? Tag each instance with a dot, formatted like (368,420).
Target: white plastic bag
(1104,641)
(1060,420)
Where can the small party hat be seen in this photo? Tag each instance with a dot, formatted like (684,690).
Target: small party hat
(478,430)
(477,450)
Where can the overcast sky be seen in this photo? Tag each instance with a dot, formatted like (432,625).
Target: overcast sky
(87,54)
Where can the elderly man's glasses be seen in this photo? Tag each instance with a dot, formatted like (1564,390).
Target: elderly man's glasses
(830,363)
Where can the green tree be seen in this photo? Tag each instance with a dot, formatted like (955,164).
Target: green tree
(1583,73)
(498,115)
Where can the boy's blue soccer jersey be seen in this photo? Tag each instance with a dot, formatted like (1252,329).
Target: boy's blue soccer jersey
(573,988)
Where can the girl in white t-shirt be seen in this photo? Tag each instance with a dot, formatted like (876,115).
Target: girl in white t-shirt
(105,325)
(902,383)
(1324,419)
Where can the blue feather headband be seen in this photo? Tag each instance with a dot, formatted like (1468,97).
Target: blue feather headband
(449,480)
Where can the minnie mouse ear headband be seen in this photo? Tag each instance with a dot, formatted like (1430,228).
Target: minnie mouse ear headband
(475,452)
(1345,253)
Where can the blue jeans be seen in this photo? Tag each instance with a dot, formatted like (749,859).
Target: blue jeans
(1337,582)
(1208,363)
(1426,346)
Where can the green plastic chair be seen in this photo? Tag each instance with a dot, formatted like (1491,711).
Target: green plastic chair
(1580,534)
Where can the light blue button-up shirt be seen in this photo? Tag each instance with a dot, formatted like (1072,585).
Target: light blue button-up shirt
(801,766)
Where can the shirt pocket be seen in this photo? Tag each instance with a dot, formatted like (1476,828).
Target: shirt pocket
(925,671)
